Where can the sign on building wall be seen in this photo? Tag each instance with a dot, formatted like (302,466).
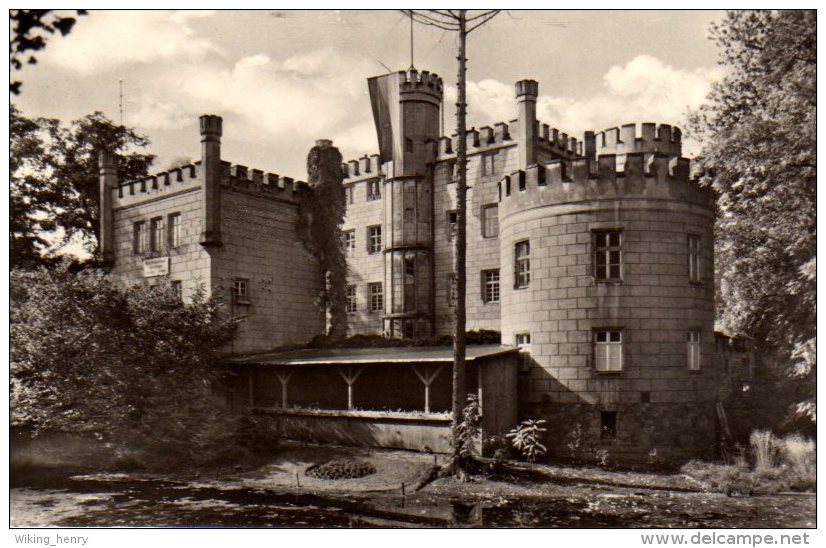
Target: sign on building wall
(158,266)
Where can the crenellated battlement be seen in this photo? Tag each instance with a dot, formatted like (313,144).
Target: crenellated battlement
(187,177)
(175,180)
(241,178)
(647,137)
(413,80)
(484,138)
(366,167)
(642,176)
(558,141)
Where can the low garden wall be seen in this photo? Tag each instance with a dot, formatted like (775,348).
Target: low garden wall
(398,430)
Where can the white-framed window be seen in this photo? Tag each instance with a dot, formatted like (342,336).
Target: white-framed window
(348,241)
(157,234)
(523,341)
(376,297)
(174,230)
(373,190)
(490,286)
(351,194)
(140,237)
(608,255)
(241,290)
(452,223)
(490,221)
(693,258)
(608,350)
(374,239)
(693,350)
(522,264)
(351,299)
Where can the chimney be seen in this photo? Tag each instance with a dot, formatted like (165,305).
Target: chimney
(108,182)
(526,94)
(211,180)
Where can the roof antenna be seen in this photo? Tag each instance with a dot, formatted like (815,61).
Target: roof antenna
(120,101)
(411,41)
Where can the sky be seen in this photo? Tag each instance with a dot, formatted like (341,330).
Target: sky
(283,79)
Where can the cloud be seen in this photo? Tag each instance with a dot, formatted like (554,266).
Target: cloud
(307,96)
(108,39)
(154,113)
(645,89)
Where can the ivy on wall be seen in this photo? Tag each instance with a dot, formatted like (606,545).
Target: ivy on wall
(321,214)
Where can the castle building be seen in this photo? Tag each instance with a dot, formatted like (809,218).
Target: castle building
(593,257)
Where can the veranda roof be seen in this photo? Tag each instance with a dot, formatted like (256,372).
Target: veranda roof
(366,356)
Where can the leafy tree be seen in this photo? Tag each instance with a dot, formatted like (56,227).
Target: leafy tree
(30,192)
(133,366)
(29,29)
(759,135)
(54,178)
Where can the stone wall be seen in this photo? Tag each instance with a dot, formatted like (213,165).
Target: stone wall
(261,245)
(653,304)
(136,202)
(363,267)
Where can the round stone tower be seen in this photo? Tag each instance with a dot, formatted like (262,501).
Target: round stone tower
(607,272)
(407,108)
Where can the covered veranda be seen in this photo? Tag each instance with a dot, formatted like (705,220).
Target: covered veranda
(386,397)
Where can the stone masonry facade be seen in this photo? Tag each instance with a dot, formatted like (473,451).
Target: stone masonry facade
(594,255)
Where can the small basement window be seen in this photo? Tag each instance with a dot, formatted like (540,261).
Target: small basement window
(608,425)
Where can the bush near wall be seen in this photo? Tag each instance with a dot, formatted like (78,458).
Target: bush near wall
(133,367)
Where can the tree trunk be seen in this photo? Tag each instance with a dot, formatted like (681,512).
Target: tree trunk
(459,382)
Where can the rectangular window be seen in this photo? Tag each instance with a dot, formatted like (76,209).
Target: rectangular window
(452,224)
(241,290)
(522,264)
(174,230)
(178,289)
(693,350)
(489,164)
(490,286)
(348,241)
(351,194)
(156,234)
(373,190)
(693,258)
(374,239)
(140,237)
(490,221)
(351,298)
(376,297)
(608,425)
(608,255)
(608,350)
(523,341)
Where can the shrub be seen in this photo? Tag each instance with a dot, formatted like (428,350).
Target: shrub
(467,432)
(527,439)
(799,455)
(134,367)
(722,478)
(765,450)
